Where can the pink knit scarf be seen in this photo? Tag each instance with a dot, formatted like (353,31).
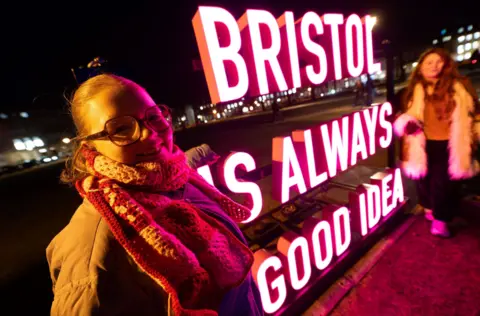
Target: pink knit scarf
(190,255)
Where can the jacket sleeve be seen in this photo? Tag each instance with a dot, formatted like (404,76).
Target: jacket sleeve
(78,299)
(475,114)
(402,123)
(200,156)
(104,296)
(476,121)
(100,279)
(408,114)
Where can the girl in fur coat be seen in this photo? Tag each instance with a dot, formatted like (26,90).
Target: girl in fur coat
(440,129)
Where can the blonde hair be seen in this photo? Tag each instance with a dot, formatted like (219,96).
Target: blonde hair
(75,166)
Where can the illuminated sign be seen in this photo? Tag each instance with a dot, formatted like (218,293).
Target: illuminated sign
(310,157)
(260,54)
(301,162)
(325,237)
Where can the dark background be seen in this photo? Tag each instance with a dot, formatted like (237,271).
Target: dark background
(152,42)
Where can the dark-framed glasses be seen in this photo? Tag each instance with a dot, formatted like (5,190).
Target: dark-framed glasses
(126,130)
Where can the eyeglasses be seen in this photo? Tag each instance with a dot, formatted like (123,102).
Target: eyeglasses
(126,130)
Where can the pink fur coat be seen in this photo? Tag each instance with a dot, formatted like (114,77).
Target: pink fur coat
(464,133)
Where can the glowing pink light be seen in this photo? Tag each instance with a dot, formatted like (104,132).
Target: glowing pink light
(334,20)
(387,206)
(322,263)
(287,21)
(391,187)
(263,55)
(315,179)
(341,223)
(354,21)
(312,19)
(205,172)
(336,146)
(213,56)
(398,194)
(358,140)
(369,24)
(267,263)
(374,205)
(384,112)
(284,153)
(363,213)
(231,163)
(297,283)
(370,116)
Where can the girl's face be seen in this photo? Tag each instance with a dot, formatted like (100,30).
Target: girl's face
(432,66)
(154,143)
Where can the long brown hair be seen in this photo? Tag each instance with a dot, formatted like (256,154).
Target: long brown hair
(442,96)
(75,166)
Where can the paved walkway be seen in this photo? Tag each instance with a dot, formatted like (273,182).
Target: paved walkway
(424,275)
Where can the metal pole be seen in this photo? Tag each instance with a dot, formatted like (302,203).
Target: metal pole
(390,82)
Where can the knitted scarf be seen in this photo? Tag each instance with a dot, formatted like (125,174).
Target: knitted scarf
(194,258)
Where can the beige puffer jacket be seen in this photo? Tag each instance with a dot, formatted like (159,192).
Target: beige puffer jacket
(93,275)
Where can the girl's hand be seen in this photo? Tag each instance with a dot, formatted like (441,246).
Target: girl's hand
(412,128)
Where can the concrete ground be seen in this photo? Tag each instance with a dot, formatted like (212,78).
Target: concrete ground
(423,275)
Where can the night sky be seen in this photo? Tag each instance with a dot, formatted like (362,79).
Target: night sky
(153,42)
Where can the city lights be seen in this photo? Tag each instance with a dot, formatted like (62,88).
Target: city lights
(38,142)
(19,145)
(29,144)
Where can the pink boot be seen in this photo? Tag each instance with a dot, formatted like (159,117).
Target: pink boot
(429,214)
(440,229)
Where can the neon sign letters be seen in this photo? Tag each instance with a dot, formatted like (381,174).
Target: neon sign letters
(259,54)
(324,238)
(310,157)
(305,160)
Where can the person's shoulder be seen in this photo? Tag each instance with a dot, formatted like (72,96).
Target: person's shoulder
(464,88)
(83,227)
(78,251)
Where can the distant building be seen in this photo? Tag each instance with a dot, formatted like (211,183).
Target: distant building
(462,41)
(33,136)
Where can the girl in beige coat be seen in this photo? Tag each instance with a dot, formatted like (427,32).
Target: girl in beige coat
(440,133)
(151,237)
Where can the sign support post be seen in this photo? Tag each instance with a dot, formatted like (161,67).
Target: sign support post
(390,87)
